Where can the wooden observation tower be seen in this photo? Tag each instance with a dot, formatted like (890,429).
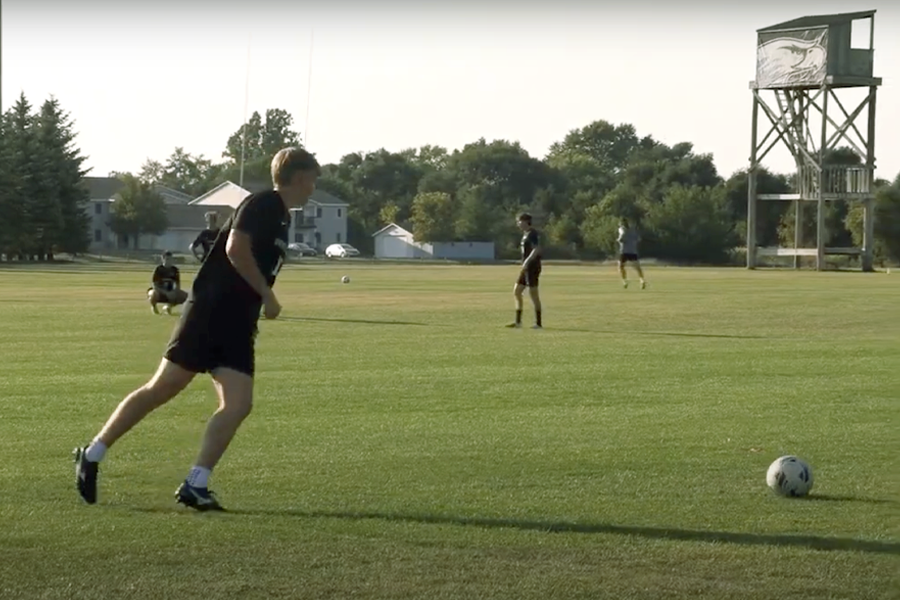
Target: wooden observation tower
(805,65)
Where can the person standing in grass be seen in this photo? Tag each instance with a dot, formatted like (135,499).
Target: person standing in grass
(530,272)
(205,241)
(217,330)
(628,252)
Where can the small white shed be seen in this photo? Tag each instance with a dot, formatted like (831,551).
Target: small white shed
(394,241)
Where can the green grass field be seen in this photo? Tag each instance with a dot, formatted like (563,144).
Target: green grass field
(404,445)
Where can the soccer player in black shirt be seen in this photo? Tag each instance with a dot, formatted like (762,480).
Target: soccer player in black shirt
(530,271)
(217,330)
(205,241)
(166,288)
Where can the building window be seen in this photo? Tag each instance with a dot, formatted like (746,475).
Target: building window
(338,238)
(98,234)
(340,213)
(318,238)
(298,237)
(319,212)
(98,208)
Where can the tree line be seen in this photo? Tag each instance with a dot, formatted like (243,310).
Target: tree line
(42,194)
(686,211)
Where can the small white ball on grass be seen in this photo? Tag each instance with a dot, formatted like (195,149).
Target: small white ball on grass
(345,279)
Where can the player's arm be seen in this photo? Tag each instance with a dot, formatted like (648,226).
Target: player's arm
(251,223)
(197,245)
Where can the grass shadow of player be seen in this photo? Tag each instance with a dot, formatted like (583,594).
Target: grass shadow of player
(661,533)
(830,498)
(357,321)
(725,336)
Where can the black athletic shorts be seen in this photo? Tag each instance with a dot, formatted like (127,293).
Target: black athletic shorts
(208,338)
(628,257)
(529,277)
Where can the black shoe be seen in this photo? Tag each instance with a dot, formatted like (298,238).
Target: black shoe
(86,476)
(197,498)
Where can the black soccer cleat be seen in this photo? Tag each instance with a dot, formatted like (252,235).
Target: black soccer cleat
(86,476)
(200,499)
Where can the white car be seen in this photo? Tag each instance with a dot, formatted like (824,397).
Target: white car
(341,251)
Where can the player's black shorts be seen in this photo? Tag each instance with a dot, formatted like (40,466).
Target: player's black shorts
(530,277)
(628,257)
(207,338)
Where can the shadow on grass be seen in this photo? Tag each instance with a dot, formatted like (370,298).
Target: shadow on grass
(360,321)
(659,533)
(829,498)
(665,333)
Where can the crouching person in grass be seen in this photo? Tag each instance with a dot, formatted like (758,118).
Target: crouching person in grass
(166,288)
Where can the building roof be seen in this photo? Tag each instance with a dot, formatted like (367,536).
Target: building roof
(171,196)
(224,194)
(103,188)
(323,198)
(818,21)
(231,194)
(390,226)
(187,216)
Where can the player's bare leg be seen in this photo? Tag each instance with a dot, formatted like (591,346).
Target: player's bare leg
(518,292)
(166,383)
(536,301)
(152,297)
(235,391)
(623,274)
(640,272)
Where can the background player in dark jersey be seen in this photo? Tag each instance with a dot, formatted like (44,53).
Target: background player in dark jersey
(217,330)
(205,241)
(628,252)
(530,272)
(166,288)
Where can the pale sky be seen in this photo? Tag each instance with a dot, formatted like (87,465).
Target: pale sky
(142,78)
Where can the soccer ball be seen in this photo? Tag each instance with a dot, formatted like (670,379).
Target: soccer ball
(345,279)
(790,476)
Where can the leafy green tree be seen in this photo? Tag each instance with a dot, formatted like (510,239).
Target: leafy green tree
(887,221)
(476,215)
(691,225)
(388,213)
(183,172)
(433,217)
(264,137)
(138,210)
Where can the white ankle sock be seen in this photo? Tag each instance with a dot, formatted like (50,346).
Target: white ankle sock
(95,451)
(199,477)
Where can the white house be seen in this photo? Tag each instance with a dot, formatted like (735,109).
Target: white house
(322,222)
(394,241)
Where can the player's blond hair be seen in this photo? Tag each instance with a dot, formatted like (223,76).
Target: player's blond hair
(289,161)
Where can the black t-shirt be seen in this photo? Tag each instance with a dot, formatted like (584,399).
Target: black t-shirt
(205,240)
(168,278)
(531,240)
(218,286)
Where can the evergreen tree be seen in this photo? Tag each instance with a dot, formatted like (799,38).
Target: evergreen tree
(22,148)
(66,173)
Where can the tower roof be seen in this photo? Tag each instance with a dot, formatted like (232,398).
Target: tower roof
(818,21)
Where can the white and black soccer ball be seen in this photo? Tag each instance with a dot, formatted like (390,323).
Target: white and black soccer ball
(345,279)
(790,476)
